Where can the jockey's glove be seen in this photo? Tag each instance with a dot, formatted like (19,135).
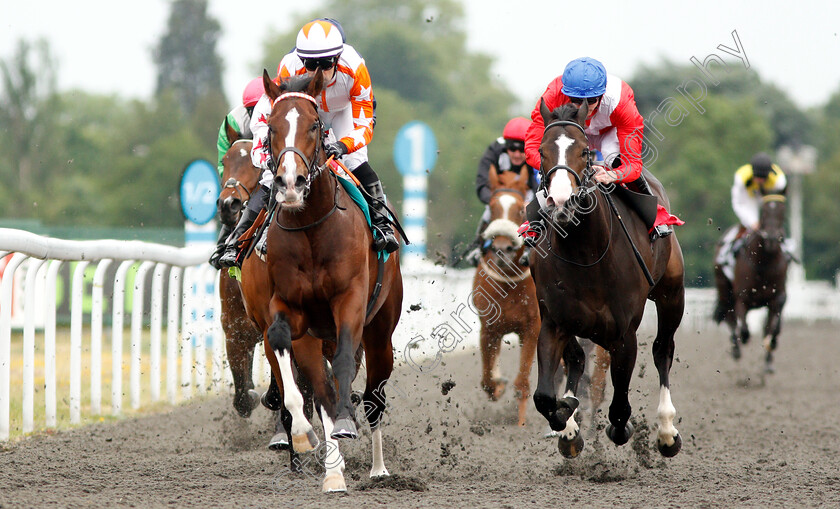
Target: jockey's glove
(336,149)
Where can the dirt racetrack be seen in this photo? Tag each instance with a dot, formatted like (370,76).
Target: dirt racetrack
(748,441)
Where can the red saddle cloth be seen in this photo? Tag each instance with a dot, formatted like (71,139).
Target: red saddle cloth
(665,217)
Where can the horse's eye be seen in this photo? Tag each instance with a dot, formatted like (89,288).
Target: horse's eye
(313,128)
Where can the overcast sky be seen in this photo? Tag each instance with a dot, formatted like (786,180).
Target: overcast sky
(104,46)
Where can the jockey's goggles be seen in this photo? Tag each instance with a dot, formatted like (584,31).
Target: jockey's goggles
(515,145)
(325,64)
(589,100)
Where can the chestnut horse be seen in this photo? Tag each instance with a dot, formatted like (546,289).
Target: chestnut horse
(590,284)
(322,284)
(508,284)
(760,274)
(240,179)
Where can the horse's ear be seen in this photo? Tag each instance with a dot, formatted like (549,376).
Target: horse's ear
(493,177)
(524,173)
(271,88)
(545,112)
(317,84)
(231,133)
(582,113)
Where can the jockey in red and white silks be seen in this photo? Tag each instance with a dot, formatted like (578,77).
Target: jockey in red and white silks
(613,127)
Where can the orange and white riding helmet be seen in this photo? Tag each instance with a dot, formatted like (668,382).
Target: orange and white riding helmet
(252,93)
(319,39)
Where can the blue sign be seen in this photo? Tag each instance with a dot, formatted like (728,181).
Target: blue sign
(415,149)
(199,191)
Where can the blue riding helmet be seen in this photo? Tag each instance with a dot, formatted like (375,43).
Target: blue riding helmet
(584,77)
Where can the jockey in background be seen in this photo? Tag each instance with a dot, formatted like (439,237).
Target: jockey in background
(506,153)
(614,127)
(752,181)
(239,119)
(346,107)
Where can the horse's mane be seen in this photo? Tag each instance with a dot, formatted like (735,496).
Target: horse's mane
(295,83)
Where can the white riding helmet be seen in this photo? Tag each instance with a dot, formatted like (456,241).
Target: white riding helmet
(319,39)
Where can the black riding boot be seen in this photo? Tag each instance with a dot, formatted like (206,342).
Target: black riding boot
(228,259)
(379,217)
(224,232)
(663,230)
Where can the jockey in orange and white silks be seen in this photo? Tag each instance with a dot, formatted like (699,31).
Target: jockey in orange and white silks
(345,106)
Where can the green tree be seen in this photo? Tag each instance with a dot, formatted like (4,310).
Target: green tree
(188,65)
(821,207)
(27,117)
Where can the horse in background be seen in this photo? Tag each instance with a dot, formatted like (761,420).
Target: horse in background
(321,284)
(507,285)
(758,279)
(240,179)
(590,284)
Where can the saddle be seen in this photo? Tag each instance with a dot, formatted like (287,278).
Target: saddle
(645,205)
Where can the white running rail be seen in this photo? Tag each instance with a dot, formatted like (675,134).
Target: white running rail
(191,320)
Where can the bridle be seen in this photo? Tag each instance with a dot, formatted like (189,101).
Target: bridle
(584,189)
(585,185)
(236,185)
(313,170)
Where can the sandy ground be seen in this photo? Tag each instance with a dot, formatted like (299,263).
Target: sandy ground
(749,440)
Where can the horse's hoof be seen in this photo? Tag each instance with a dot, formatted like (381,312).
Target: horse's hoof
(570,448)
(736,352)
(620,438)
(769,368)
(305,442)
(344,428)
(279,442)
(669,451)
(246,402)
(334,483)
(271,404)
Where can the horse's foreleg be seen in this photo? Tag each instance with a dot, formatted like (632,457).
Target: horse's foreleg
(528,341)
(550,346)
(279,339)
(344,367)
(491,380)
(623,359)
(570,441)
(772,328)
(668,439)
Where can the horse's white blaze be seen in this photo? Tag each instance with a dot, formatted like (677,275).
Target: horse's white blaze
(292,397)
(377,469)
(333,460)
(560,188)
(506,201)
(288,162)
(571,430)
(666,413)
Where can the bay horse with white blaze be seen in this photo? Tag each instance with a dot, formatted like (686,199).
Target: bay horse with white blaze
(323,283)
(590,285)
(501,279)
(759,277)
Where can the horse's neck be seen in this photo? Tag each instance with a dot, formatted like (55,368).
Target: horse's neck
(587,229)
(758,253)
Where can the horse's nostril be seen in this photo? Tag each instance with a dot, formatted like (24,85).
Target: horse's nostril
(549,202)
(300,181)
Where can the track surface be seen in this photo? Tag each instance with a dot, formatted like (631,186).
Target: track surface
(748,441)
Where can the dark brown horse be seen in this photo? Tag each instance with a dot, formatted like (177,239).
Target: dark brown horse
(501,278)
(759,279)
(322,282)
(590,284)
